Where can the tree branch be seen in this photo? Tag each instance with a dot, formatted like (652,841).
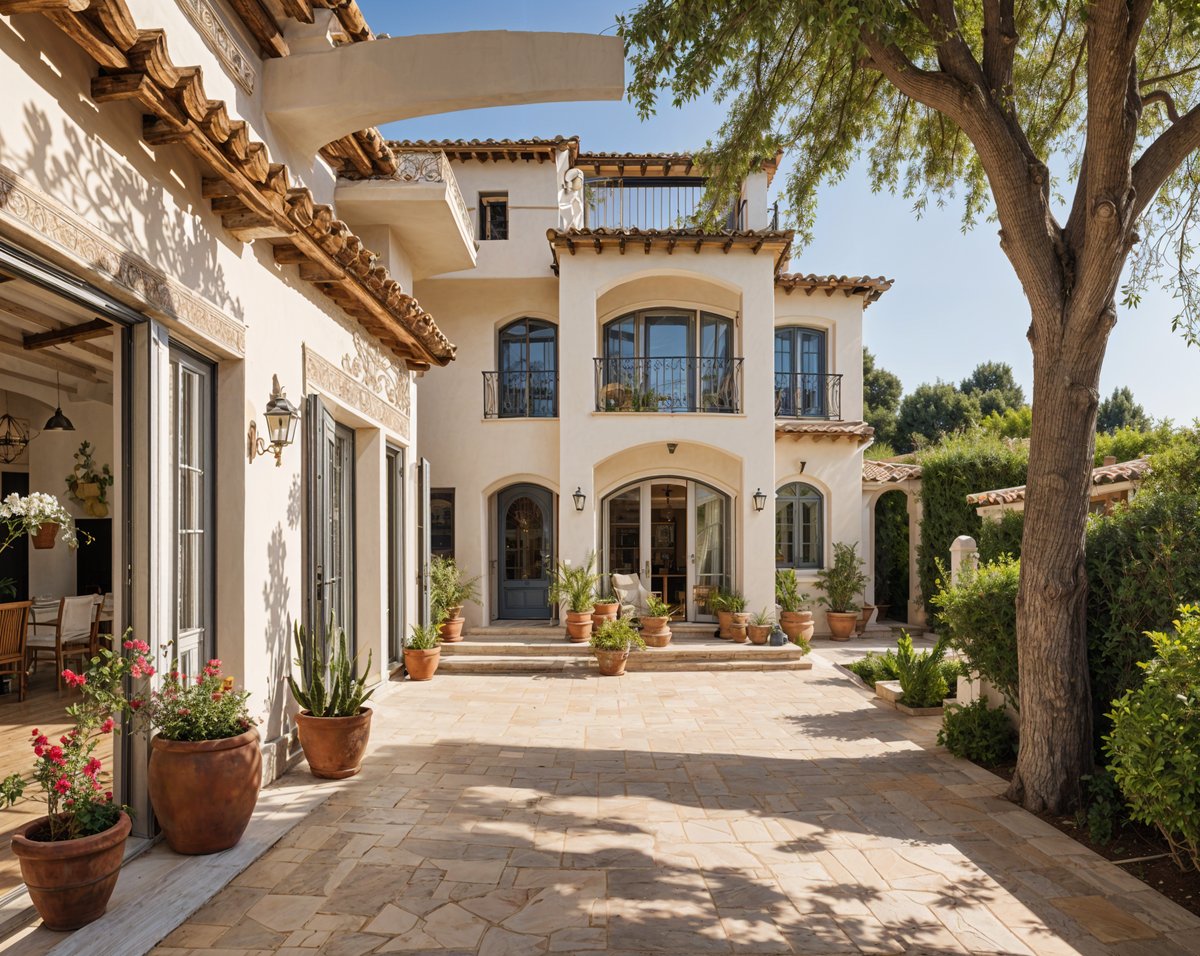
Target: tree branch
(1162,157)
(1162,96)
(999,46)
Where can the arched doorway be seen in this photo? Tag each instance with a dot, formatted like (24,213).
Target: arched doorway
(892,555)
(675,534)
(524,552)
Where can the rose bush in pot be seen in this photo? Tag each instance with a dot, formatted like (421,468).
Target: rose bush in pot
(333,723)
(71,857)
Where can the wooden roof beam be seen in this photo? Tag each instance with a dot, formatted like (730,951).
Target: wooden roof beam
(72,333)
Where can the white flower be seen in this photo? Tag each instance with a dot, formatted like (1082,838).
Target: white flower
(27,515)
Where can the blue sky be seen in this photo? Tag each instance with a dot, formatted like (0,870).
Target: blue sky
(956,301)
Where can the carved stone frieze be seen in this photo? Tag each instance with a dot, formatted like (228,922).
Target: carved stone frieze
(361,391)
(380,371)
(30,213)
(238,59)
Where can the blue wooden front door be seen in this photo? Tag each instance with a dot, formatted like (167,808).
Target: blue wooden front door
(525,525)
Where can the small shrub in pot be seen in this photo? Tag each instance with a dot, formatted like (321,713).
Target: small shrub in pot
(422,651)
(575,586)
(612,645)
(760,627)
(656,631)
(842,583)
(795,618)
(449,590)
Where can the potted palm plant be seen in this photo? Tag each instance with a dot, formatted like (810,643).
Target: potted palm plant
(760,627)
(735,603)
(795,618)
(842,583)
(655,629)
(574,587)
(70,858)
(422,651)
(205,763)
(333,723)
(612,645)
(449,590)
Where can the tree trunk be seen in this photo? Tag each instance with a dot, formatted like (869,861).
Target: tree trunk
(1056,708)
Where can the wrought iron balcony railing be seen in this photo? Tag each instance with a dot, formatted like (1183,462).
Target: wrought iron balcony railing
(808,395)
(530,394)
(432,166)
(681,383)
(636,203)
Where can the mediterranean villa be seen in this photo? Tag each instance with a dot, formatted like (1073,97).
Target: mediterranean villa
(272,362)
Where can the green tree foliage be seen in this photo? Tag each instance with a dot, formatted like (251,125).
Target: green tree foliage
(1001,536)
(992,385)
(881,398)
(1011,423)
(1127,443)
(891,554)
(954,469)
(1119,410)
(931,412)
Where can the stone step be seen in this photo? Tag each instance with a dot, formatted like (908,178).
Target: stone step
(508,664)
(707,651)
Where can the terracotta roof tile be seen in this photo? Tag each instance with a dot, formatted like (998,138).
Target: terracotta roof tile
(493,149)
(818,430)
(885,471)
(1110,474)
(869,287)
(670,239)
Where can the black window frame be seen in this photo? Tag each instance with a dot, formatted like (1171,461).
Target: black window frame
(447,495)
(795,531)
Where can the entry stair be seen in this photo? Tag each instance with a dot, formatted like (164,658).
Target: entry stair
(542,648)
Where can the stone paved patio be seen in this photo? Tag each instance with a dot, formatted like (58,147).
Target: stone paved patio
(673,812)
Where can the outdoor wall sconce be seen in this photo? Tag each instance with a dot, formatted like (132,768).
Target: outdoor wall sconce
(281,416)
(760,500)
(802,464)
(671,446)
(579,498)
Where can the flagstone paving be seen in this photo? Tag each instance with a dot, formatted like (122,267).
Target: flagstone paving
(672,813)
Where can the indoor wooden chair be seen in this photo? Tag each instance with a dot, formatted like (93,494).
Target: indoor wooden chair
(14,620)
(75,634)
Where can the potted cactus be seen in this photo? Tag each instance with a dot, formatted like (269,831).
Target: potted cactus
(760,627)
(655,629)
(333,723)
(612,645)
(842,583)
(795,618)
(449,590)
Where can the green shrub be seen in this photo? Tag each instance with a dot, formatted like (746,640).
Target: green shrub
(978,732)
(920,674)
(875,667)
(1001,536)
(617,635)
(978,615)
(1104,809)
(1154,746)
(950,471)
(1127,443)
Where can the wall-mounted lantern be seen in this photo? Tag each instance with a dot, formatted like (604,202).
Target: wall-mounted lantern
(760,500)
(579,498)
(281,416)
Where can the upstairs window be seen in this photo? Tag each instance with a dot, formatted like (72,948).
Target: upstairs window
(493,215)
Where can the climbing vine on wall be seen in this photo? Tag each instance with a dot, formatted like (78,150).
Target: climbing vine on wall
(891,554)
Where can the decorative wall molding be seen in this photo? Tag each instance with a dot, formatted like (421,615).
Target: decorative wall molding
(32,214)
(239,59)
(381,372)
(363,397)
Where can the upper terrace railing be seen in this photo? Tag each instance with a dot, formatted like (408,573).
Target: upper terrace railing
(808,395)
(432,166)
(645,203)
(520,394)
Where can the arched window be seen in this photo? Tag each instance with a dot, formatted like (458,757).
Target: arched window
(799,541)
(800,379)
(527,380)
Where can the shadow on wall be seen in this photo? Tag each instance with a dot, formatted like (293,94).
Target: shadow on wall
(139,199)
(276,600)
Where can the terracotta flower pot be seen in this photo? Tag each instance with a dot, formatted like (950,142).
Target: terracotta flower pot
(579,626)
(46,537)
(656,632)
(737,632)
(606,611)
(334,746)
(422,665)
(451,629)
(204,791)
(864,618)
(797,624)
(70,881)
(758,633)
(612,663)
(841,624)
(724,620)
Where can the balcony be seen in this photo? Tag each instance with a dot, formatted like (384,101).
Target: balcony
(638,203)
(808,395)
(686,383)
(421,205)
(520,394)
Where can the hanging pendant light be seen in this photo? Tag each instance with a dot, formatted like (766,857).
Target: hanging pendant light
(14,437)
(58,422)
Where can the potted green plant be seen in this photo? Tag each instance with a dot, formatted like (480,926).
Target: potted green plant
(205,763)
(842,583)
(612,644)
(574,587)
(87,484)
(795,618)
(605,608)
(449,590)
(422,651)
(333,723)
(39,515)
(656,631)
(760,627)
(718,603)
(735,603)
(70,858)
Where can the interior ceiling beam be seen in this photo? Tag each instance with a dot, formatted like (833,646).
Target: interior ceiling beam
(64,366)
(66,389)
(33,317)
(72,333)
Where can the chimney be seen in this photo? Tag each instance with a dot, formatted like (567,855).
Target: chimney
(1110,459)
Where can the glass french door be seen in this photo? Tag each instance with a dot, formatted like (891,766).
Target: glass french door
(191,411)
(525,522)
(800,372)
(331,521)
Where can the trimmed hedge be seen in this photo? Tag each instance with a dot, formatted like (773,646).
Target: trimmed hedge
(956,468)
(891,553)
(1003,537)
